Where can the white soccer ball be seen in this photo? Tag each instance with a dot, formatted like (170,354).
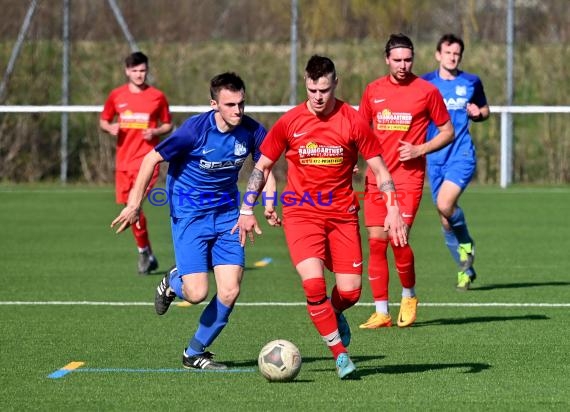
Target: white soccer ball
(279,361)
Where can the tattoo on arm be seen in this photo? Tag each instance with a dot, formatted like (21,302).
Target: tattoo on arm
(387,186)
(254,186)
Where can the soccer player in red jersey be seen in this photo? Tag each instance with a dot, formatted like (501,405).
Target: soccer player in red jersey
(321,139)
(399,107)
(142,115)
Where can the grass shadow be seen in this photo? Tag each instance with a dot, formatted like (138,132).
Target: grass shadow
(471,367)
(517,285)
(478,319)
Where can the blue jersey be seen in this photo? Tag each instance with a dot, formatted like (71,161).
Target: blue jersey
(205,163)
(465,88)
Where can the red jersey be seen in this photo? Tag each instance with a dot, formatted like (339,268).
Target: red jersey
(402,112)
(321,153)
(135,112)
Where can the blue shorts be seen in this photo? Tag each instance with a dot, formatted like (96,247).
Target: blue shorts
(459,172)
(202,242)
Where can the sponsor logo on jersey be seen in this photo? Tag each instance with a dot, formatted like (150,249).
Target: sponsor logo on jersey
(299,134)
(132,120)
(393,121)
(455,104)
(314,154)
(221,165)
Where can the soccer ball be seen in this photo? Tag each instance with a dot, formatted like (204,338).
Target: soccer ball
(279,361)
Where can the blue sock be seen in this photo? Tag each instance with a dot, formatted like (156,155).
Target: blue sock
(214,318)
(453,244)
(176,283)
(459,226)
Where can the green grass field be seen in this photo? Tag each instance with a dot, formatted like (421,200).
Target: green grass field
(70,292)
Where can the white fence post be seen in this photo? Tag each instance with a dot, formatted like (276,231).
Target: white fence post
(506,151)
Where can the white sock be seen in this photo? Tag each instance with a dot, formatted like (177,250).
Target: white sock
(408,292)
(381,306)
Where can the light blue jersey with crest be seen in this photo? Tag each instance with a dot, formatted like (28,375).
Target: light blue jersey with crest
(204,163)
(465,88)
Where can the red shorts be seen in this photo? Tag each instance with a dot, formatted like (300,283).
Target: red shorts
(375,206)
(125,180)
(334,240)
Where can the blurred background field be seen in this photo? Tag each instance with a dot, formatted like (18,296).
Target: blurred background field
(189,41)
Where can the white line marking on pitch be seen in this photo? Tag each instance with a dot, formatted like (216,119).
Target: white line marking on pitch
(269,304)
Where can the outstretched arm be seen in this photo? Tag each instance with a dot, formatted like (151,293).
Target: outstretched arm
(130,213)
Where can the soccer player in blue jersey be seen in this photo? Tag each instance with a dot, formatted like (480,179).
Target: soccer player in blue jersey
(205,155)
(451,168)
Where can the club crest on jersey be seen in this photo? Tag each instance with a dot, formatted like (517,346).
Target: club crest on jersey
(461,90)
(240,149)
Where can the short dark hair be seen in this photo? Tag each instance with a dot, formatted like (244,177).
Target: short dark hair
(450,38)
(398,41)
(136,58)
(319,66)
(228,80)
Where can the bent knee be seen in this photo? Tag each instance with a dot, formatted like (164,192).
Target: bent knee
(228,296)
(351,296)
(445,208)
(194,295)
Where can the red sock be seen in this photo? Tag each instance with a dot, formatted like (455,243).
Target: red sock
(378,273)
(322,314)
(140,232)
(344,299)
(404,257)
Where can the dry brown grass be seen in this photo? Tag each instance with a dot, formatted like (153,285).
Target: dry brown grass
(29,149)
